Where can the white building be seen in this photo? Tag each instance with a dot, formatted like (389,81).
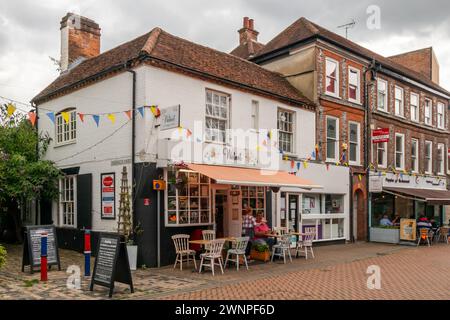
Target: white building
(93,108)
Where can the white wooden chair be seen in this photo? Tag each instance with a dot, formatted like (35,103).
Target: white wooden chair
(280,230)
(238,250)
(181,243)
(214,253)
(208,235)
(306,244)
(282,247)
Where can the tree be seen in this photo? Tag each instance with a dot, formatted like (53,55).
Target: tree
(23,176)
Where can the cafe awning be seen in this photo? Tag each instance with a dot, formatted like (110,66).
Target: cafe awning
(252,177)
(432,197)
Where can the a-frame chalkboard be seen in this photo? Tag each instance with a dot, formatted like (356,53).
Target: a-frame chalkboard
(111,263)
(32,247)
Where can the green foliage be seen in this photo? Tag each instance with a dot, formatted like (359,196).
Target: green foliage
(260,246)
(30,283)
(2,256)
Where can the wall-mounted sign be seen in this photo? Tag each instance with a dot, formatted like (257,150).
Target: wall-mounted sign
(170,118)
(108,195)
(380,135)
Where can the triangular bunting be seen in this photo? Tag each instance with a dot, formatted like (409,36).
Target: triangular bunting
(65,116)
(32,117)
(51,116)
(11,109)
(155,110)
(141,111)
(128,114)
(96,119)
(81,115)
(111,117)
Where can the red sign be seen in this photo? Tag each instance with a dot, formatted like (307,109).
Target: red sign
(108,181)
(146,202)
(108,196)
(380,135)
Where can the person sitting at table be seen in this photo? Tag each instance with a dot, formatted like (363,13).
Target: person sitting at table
(423,222)
(263,231)
(396,221)
(385,221)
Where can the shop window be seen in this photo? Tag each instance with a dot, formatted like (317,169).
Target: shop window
(66,128)
(428,157)
(311,204)
(428,111)
(334,204)
(440,115)
(332,139)
(332,77)
(325,229)
(255,198)
(399,102)
(440,159)
(415,155)
(188,198)
(67,202)
(217,112)
(382,95)
(286,130)
(353,139)
(354,91)
(414,102)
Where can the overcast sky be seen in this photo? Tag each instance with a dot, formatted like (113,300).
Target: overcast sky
(29,29)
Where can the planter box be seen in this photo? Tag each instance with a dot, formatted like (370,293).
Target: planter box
(385,235)
(260,256)
(132,256)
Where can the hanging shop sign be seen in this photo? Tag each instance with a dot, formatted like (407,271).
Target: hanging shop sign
(170,118)
(32,247)
(408,229)
(108,195)
(380,135)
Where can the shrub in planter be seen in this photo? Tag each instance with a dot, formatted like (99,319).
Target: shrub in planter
(2,256)
(260,251)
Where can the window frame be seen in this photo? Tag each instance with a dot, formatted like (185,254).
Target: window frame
(358,86)
(386,91)
(337,78)
(402,114)
(61,212)
(69,129)
(440,170)
(282,132)
(217,118)
(255,115)
(430,123)
(402,167)
(440,104)
(336,140)
(385,148)
(430,158)
(358,143)
(416,118)
(415,168)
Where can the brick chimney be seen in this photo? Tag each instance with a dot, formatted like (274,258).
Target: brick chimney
(80,38)
(248,32)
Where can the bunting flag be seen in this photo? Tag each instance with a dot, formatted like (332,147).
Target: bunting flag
(264,143)
(32,117)
(96,119)
(188,133)
(128,114)
(65,116)
(360,177)
(313,155)
(344,146)
(11,109)
(298,166)
(51,116)
(155,110)
(180,130)
(317,152)
(343,157)
(292,164)
(258,148)
(111,117)
(141,111)
(286,158)
(384,173)
(81,115)
(305,164)
(269,135)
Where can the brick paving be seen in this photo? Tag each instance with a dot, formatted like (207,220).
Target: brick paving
(337,272)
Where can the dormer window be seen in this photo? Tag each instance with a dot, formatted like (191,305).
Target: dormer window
(66,127)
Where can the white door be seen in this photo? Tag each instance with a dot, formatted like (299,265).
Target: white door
(234,213)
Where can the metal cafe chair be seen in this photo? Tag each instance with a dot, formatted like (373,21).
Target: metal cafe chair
(214,253)
(284,246)
(238,250)
(181,242)
(306,244)
(443,233)
(424,236)
(208,235)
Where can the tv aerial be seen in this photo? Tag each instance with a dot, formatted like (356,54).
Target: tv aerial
(347,26)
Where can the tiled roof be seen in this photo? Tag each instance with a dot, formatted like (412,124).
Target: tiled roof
(178,53)
(303,29)
(247,50)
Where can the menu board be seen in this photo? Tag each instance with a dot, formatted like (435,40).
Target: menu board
(408,229)
(106,259)
(32,247)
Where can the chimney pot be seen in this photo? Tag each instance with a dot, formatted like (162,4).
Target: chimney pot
(246,23)
(251,24)
(248,33)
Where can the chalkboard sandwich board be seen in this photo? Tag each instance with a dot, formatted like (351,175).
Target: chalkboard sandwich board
(32,247)
(111,263)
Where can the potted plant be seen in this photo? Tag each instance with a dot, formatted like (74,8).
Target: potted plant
(260,251)
(132,247)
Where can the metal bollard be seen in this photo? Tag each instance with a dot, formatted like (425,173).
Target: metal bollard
(44,237)
(87,253)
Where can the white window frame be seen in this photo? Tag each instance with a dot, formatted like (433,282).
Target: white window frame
(385,147)
(282,143)
(66,133)
(358,85)
(337,87)
(440,167)
(222,139)
(430,109)
(402,167)
(440,115)
(415,168)
(401,111)
(255,115)
(64,198)
(429,167)
(336,140)
(358,143)
(417,107)
(448,160)
(385,109)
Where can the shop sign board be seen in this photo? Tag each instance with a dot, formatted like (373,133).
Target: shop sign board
(170,118)
(408,229)
(380,135)
(108,195)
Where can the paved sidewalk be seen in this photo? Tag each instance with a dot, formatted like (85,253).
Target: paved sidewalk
(337,272)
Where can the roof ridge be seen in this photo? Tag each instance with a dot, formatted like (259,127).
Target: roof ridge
(408,52)
(152,40)
(309,25)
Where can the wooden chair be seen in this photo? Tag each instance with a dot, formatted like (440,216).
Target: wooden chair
(238,250)
(208,235)
(280,230)
(181,243)
(214,253)
(306,244)
(283,247)
(443,233)
(424,236)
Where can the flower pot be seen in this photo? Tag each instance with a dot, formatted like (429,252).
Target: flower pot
(260,256)
(132,256)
